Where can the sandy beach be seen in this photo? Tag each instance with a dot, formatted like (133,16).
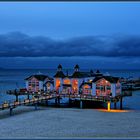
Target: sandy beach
(48,122)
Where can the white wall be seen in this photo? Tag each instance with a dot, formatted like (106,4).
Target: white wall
(113,89)
(41,85)
(26,84)
(94,89)
(55,83)
(52,87)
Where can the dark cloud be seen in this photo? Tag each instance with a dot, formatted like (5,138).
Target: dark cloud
(17,44)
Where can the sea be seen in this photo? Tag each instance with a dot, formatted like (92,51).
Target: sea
(14,79)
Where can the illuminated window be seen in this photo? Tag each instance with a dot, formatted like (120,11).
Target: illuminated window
(33,85)
(75,86)
(66,81)
(48,85)
(86,89)
(103,87)
(57,84)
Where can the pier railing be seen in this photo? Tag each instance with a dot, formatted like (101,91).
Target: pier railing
(13,104)
(45,96)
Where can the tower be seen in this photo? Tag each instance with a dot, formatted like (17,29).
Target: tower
(76,68)
(59,68)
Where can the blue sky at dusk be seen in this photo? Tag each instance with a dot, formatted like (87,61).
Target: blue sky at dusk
(92,34)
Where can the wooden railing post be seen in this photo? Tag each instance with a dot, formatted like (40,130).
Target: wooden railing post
(11,110)
(28,96)
(16,97)
(58,100)
(81,104)
(55,101)
(115,105)
(121,103)
(46,102)
(35,106)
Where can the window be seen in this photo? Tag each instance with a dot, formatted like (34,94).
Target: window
(33,85)
(86,89)
(57,84)
(103,87)
(108,87)
(66,81)
(75,86)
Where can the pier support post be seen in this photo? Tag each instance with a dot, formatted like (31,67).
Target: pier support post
(121,103)
(16,98)
(115,105)
(46,102)
(69,102)
(55,101)
(16,94)
(35,106)
(108,106)
(11,110)
(81,104)
(28,96)
(58,99)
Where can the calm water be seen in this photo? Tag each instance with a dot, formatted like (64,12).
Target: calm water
(11,79)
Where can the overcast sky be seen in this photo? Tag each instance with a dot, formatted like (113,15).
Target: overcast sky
(93,34)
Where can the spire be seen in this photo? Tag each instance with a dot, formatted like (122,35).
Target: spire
(59,68)
(76,68)
(97,71)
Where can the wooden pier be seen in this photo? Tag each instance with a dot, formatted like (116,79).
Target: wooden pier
(38,98)
(33,101)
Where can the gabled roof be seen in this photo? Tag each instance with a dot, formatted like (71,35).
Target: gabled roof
(39,77)
(78,74)
(52,82)
(59,74)
(108,78)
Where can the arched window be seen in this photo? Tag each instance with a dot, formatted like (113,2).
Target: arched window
(86,89)
(48,86)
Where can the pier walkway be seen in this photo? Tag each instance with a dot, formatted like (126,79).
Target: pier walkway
(45,97)
(33,101)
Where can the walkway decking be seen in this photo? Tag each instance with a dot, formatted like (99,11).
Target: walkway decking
(57,97)
(33,101)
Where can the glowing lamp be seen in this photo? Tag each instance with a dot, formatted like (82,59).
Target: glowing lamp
(108,106)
